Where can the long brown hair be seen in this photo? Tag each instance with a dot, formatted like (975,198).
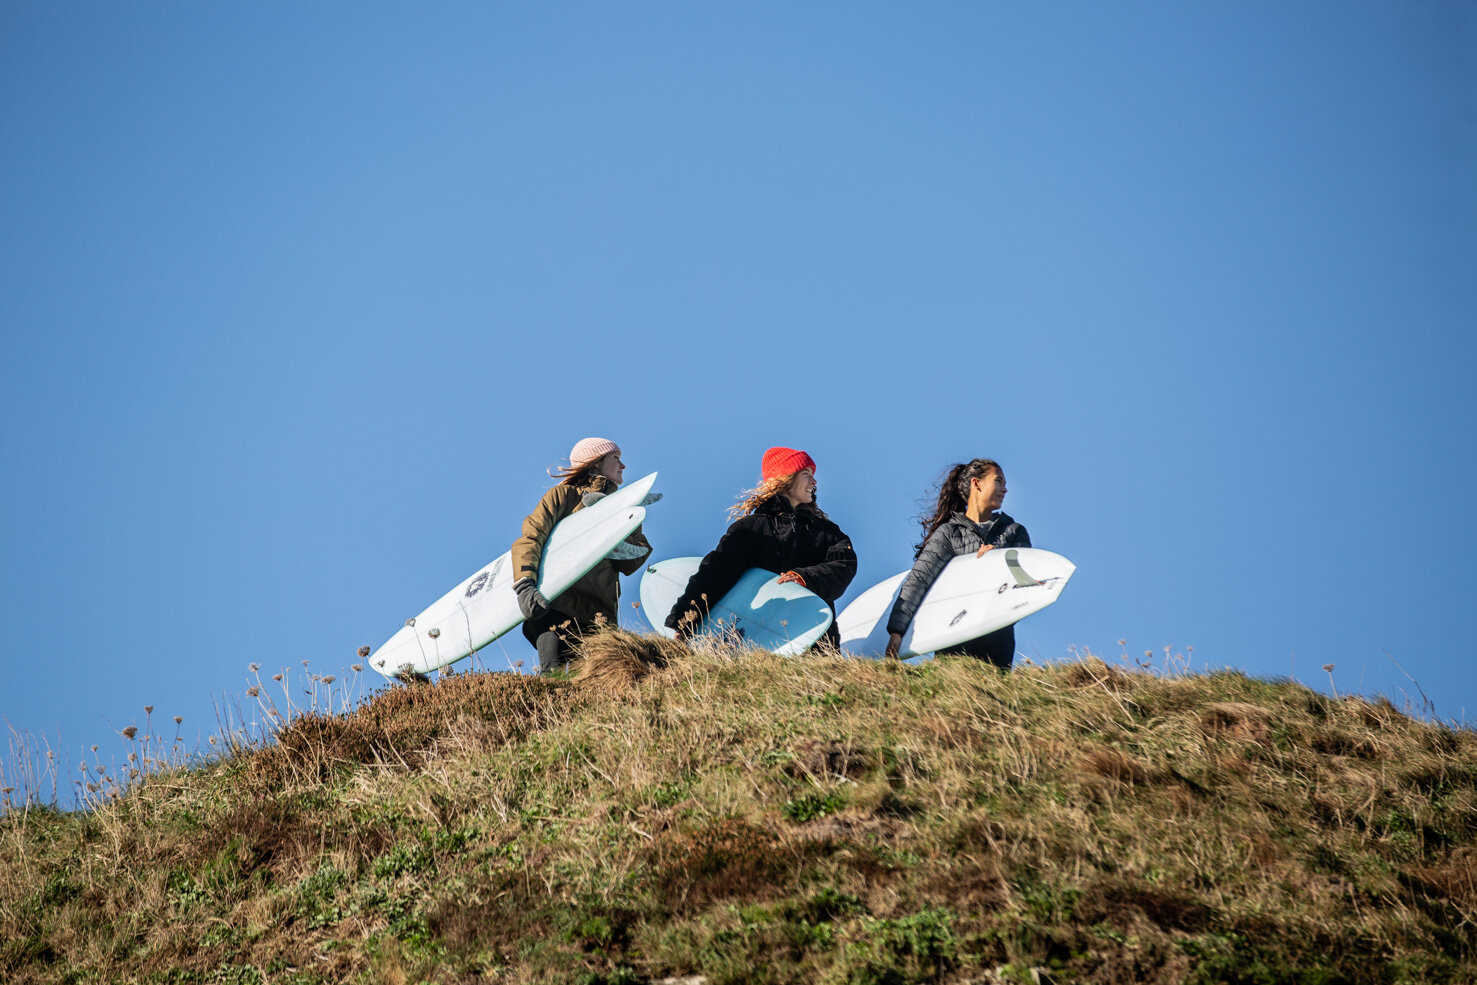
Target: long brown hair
(751,499)
(953,494)
(582,477)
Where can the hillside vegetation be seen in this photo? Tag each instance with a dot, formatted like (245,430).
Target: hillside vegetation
(727,816)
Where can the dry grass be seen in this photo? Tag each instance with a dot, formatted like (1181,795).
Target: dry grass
(668,812)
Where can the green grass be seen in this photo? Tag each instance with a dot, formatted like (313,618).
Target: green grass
(746,818)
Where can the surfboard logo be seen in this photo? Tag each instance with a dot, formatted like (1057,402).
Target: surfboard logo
(961,615)
(484,579)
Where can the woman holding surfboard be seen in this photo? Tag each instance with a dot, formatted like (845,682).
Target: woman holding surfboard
(595,469)
(778,527)
(965,519)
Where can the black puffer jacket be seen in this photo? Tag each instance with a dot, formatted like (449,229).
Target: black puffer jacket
(956,536)
(778,538)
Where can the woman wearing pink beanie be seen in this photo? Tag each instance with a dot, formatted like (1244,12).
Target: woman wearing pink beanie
(778,527)
(595,469)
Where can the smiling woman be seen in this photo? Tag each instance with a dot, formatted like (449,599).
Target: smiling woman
(778,527)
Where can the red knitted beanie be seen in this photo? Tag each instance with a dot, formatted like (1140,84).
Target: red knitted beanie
(784,461)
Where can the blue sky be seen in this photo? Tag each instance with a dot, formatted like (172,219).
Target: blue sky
(300,301)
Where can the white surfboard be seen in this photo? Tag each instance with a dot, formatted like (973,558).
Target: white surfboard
(484,606)
(784,619)
(971,597)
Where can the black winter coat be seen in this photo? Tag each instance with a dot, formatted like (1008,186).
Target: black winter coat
(956,536)
(778,538)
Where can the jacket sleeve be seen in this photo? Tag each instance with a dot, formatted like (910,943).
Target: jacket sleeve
(528,550)
(935,555)
(720,570)
(829,578)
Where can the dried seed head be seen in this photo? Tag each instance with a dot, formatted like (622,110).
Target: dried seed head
(276,677)
(356,668)
(1328,668)
(329,679)
(433,633)
(252,692)
(94,748)
(364,651)
(130,732)
(148,709)
(178,719)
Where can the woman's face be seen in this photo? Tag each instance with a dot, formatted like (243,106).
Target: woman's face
(612,467)
(801,488)
(990,489)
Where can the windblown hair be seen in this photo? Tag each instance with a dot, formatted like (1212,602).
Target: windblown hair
(583,477)
(953,494)
(751,499)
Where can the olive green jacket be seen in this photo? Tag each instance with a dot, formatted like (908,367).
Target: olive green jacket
(597,593)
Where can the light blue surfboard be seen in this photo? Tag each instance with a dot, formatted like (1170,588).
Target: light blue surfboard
(784,619)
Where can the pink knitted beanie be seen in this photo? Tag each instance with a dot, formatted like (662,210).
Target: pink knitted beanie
(587,450)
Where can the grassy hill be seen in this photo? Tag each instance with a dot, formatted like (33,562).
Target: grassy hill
(734,817)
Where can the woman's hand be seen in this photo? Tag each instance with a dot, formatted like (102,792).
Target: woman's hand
(985,550)
(531,602)
(894,643)
(790,576)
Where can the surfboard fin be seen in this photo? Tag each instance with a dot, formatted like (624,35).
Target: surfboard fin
(1017,572)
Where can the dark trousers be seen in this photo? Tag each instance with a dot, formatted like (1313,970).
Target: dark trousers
(997,647)
(552,635)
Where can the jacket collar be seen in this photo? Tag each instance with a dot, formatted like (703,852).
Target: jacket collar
(597,483)
(961,517)
(776,506)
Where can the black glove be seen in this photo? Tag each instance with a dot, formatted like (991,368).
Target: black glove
(531,601)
